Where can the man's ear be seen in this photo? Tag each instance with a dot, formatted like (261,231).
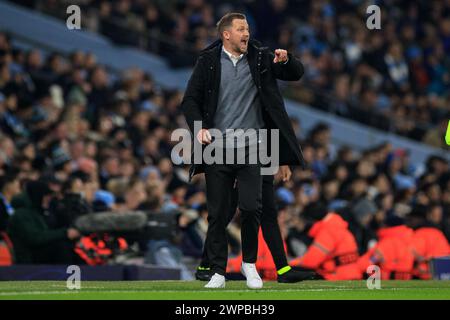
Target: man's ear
(226,35)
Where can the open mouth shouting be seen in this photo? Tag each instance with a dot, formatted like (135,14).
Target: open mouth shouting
(244,44)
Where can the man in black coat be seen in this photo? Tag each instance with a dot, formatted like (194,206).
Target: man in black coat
(234,86)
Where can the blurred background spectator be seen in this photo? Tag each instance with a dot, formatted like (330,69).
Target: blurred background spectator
(395,79)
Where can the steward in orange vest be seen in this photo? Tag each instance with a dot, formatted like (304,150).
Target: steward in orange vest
(393,252)
(6,250)
(428,243)
(333,253)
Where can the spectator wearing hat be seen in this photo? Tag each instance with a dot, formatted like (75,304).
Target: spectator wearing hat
(61,161)
(149,174)
(361,213)
(104,201)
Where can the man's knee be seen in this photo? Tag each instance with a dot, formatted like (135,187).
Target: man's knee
(268,223)
(248,207)
(250,202)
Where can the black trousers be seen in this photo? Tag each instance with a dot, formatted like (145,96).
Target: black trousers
(220,180)
(269,224)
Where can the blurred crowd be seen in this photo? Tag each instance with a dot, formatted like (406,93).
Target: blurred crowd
(396,79)
(95,140)
(78,138)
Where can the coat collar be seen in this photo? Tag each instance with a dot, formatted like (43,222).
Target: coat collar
(217,45)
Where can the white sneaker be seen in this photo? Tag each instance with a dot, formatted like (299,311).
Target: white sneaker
(253,279)
(217,281)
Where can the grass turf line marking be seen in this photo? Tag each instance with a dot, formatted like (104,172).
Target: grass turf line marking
(14,293)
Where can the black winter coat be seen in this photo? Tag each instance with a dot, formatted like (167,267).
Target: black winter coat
(201,96)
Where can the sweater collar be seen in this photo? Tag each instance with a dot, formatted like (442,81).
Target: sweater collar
(234,59)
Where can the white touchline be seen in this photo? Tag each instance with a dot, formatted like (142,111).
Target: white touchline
(189,291)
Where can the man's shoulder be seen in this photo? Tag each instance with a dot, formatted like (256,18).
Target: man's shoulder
(205,58)
(22,213)
(257,45)
(212,51)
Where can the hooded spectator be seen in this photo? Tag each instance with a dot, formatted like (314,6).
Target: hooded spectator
(33,240)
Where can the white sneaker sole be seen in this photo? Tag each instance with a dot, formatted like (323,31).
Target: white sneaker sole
(219,287)
(259,286)
(215,287)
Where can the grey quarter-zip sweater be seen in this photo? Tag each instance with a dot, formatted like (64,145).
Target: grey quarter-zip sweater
(239,105)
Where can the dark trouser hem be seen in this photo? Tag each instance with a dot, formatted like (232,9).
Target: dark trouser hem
(219,271)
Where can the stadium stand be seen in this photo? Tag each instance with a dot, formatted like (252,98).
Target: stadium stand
(96,130)
(395,79)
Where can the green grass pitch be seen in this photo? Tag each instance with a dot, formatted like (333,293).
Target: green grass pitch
(235,290)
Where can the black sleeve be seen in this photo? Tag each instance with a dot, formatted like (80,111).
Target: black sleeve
(4,217)
(193,100)
(291,71)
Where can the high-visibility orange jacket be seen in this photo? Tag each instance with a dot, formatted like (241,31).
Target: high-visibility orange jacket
(264,263)
(333,253)
(392,253)
(6,249)
(97,249)
(428,243)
